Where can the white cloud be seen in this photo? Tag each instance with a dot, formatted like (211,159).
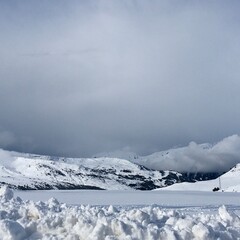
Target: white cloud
(197,157)
(6,158)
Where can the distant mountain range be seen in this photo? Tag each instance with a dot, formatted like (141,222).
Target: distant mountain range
(29,171)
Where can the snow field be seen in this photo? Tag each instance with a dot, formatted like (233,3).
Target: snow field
(52,220)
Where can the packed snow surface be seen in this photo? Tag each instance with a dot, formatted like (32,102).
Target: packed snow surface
(166,199)
(24,219)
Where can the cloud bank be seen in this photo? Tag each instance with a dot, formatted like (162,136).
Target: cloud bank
(219,157)
(82,77)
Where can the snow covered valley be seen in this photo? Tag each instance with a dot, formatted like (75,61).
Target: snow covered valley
(118,215)
(180,211)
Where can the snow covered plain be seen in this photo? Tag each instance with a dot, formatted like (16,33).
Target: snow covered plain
(118,215)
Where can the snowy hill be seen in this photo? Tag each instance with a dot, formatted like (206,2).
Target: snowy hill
(228,182)
(28,171)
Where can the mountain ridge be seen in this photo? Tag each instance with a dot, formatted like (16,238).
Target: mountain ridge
(31,171)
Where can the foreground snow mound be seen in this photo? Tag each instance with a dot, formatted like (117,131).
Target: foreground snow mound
(51,220)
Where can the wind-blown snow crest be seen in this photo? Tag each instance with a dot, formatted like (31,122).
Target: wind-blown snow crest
(52,220)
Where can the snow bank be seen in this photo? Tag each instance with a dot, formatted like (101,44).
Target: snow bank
(51,220)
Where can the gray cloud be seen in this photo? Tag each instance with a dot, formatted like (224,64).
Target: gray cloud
(82,77)
(6,138)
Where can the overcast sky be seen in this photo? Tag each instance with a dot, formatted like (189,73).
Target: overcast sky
(82,77)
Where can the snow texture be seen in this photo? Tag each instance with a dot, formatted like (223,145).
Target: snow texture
(52,220)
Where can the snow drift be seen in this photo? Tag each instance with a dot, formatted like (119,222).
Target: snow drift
(52,220)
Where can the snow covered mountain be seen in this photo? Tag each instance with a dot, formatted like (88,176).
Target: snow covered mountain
(28,171)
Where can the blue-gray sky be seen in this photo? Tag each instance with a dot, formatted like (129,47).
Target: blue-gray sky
(82,77)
